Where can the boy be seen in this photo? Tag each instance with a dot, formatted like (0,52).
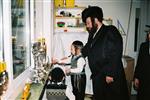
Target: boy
(76,71)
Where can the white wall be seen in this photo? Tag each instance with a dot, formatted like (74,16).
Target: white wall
(44,22)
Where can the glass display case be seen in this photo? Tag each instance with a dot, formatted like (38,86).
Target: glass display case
(20,36)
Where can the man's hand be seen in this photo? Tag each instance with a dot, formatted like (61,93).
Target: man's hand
(109,79)
(136,83)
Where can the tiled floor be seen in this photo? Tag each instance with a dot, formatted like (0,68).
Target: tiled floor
(87,97)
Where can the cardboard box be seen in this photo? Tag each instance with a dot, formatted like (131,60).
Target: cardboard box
(59,3)
(70,3)
(129,71)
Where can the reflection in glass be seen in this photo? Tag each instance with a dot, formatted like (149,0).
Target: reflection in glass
(3,72)
(19,36)
(1,32)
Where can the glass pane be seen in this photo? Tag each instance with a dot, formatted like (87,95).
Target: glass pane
(19,36)
(1,32)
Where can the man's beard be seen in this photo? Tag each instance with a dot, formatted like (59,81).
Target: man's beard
(93,30)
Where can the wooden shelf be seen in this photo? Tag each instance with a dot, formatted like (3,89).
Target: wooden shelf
(71,17)
(70,29)
(67,17)
(76,7)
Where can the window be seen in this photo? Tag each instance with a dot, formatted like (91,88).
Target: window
(1,32)
(20,36)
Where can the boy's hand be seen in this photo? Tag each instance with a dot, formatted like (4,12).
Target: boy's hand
(67,71)
(54,61)
(64,58)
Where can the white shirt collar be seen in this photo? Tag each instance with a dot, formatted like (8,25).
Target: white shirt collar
(96,32)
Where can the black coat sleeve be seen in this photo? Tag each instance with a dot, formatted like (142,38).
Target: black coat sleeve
(85,50)
(113,51)
(138,68)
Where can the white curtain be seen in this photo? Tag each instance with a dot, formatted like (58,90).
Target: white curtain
(62,42)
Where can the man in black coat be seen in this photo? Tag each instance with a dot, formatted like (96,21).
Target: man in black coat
(142,71)
(104,52)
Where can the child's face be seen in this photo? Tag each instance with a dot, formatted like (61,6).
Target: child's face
(72,50)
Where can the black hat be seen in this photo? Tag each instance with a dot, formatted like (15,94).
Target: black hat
(147,26)
(93,12)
